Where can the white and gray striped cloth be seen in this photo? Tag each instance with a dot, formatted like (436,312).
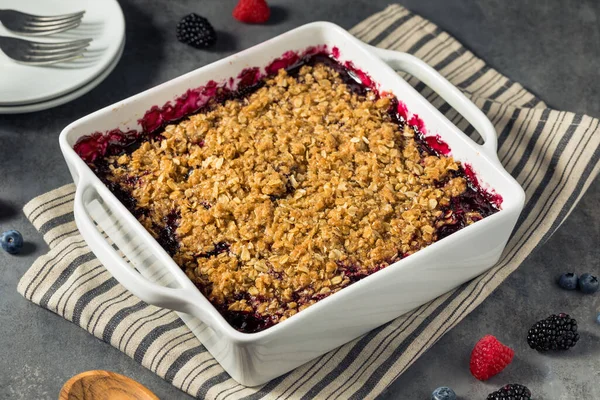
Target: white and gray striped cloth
(553,154)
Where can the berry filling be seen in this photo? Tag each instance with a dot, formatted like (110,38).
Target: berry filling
(246,308)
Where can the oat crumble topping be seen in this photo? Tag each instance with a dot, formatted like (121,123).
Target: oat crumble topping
(289,194)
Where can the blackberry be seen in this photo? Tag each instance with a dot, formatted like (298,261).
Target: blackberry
(243,91)
(557,332)
(196,31)
(219,248)
(512,391)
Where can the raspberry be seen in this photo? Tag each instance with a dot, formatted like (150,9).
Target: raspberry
(512,391)
(489,357)
(196,31)
(252,11)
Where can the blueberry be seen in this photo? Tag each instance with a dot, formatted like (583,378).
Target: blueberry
(11,241)
(443,393)
(568,281)
(588,283)
(598,318)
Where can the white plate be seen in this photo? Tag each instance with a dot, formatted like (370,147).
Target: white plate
(103,21)
(44,105)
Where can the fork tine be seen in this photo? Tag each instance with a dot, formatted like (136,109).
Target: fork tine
(60,45)
(36,23)
(33,57)
(50,62)
(53,18)
(57,50)
(29,31)
(48,27)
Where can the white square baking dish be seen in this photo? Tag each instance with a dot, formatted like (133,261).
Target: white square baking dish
(255,358)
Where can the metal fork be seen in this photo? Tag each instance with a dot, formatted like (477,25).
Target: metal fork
(37,53)
(37,25)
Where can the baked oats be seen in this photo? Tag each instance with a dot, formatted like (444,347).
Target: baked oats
(276,199)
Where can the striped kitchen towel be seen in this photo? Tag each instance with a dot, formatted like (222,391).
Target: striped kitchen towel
(553,154)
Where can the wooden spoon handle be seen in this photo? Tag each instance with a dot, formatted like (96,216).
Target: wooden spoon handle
(104,385)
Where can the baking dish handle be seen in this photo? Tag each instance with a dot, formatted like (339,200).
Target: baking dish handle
(429,76)
(183,299)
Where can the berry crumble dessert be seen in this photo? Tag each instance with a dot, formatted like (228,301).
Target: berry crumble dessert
(284,192)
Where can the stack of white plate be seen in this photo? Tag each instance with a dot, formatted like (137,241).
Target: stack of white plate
(26,88)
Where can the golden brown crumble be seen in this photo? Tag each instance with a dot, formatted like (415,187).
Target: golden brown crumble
(303,180)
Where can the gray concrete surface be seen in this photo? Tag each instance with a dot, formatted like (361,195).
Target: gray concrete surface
(552,47)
